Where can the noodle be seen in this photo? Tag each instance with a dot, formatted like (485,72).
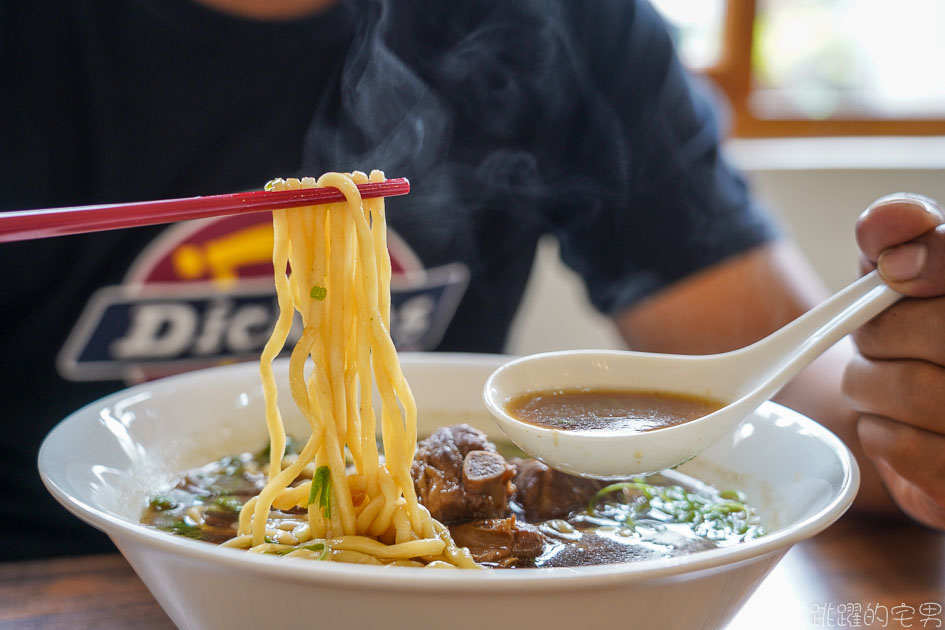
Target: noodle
(340,285)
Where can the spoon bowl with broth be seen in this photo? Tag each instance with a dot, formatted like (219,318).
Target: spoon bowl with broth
(611,413)
(588,409)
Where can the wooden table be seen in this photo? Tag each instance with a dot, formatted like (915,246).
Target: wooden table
(893,575)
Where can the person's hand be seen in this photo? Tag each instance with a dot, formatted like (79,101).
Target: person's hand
(897,380)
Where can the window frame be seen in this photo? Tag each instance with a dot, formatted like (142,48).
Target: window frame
(732,73)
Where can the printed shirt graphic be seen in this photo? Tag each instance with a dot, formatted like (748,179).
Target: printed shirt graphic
(202,294)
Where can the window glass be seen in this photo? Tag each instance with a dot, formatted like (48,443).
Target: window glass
(697,27)
(848,59)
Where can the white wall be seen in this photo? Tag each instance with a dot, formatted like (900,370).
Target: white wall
(817,187)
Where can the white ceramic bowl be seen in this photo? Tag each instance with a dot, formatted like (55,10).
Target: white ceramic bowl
(104,461)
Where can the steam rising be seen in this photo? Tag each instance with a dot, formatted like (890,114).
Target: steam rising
(530,87)
(408,86)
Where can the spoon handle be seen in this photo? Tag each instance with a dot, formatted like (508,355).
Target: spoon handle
(784,353)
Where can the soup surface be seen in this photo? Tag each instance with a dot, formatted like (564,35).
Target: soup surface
(549,520)
(588,409)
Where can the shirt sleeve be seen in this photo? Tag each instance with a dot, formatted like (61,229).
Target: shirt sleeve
(651,200)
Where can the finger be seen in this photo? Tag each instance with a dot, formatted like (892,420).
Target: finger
(911,462)
(916,268)
(911,329)
(910,498)
(911,392)
(904,236)
(893,220)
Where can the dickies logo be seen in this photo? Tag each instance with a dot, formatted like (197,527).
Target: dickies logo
(202,294)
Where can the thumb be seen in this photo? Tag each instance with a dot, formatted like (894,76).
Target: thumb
(903,235)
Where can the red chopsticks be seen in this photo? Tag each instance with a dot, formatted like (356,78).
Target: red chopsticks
(22,225)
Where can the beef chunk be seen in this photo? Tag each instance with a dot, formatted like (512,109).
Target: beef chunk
(503,541)
(483,471)
(545,493)
(459,476)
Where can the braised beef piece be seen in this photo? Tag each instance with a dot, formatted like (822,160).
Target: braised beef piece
(502,541)
(222,520)
(545,493)
(459,476)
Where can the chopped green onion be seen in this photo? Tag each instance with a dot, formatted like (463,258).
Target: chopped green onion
(325,551)
(644,488)
(183,528)
(291,448)
(162,503)
(228,503)
(708,516)
(318,293)
(320,547)
(321,490)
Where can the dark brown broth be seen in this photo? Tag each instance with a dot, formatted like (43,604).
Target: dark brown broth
(589,409)
(661,516)
(206,502)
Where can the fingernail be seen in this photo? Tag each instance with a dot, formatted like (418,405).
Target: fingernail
(927,204)
(902,263)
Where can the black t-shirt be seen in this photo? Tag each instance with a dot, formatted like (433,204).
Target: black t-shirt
(512,120)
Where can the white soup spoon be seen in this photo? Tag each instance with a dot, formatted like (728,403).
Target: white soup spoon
(743,379)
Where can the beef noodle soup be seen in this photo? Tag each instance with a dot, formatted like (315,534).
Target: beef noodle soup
(452,500)
(508,511)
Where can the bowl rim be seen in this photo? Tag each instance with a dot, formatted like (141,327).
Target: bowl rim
(409,579)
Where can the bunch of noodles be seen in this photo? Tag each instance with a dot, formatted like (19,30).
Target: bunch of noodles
(340,284)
